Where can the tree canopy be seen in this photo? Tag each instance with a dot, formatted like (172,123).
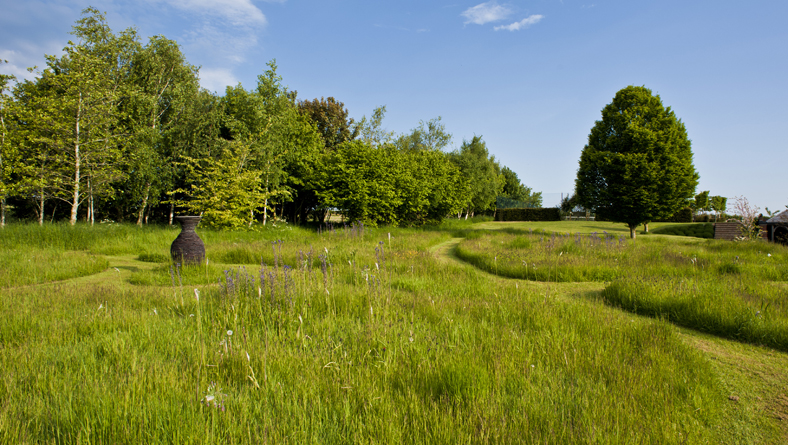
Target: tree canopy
(119,129)
(637,166)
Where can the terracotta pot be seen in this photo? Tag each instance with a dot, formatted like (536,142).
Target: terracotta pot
(188,248)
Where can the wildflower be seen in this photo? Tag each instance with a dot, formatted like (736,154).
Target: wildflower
(768,254)
(229,333)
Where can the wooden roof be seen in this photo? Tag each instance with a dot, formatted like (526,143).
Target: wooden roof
(781,217)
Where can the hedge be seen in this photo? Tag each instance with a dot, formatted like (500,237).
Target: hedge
(682,216)
(550,214)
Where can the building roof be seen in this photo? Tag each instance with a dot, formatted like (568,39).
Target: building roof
(781,217)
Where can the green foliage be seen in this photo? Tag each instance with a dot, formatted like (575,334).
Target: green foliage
(637,166)
(702,202)
(430,135)
(698,230)
(390,186)
(9,153)
(331,119)
(481,172)
(549,214)
(162,89)
(682,216)
(719,204)
(514,190)
(360,181)
(224,190)
(371,130)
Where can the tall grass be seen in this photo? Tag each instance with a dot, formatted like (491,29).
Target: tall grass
(719,287)
(746,310)
(341,337)
(543,256)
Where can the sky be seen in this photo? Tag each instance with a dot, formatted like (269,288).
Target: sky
(530,77)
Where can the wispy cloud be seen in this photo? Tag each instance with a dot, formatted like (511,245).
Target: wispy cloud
(222,33)
(486,12)
(27,55)
(237,12)
(217,79)
(522,24)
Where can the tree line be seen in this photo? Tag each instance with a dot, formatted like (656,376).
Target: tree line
(119,130)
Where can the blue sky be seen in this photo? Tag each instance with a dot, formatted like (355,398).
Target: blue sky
(531,77)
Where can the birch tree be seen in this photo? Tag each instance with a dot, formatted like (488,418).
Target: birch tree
(8,152)
(163,85)
(76,126)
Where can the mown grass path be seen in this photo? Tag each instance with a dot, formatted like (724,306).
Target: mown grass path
(755,376)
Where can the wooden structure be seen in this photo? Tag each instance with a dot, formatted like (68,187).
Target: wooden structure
(775,229)
(727,230)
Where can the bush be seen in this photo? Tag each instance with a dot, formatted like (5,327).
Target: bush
(697,230)
(550,214)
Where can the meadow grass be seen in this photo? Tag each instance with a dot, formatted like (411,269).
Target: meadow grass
(290,336)
(719,287)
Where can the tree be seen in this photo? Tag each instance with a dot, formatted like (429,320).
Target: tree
(8,151)
(331,119)
(371,130)
(246,171)
(637,165)
(718,204)
(750,230)
(430,135)
(162,86)
(701,202)
(71,116)
(361,181)
(568,203)
(482,174)
(430,186)
(517,191)
(224,190)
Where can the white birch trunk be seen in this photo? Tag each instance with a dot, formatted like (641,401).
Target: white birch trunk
(265,205)
(41,208)
(77,165)
(91,208)
(144,204)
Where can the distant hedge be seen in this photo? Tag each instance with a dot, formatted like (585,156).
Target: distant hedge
(682,216)
(698,230)
(551,214)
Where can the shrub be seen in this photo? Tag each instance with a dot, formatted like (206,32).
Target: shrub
(697,230)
